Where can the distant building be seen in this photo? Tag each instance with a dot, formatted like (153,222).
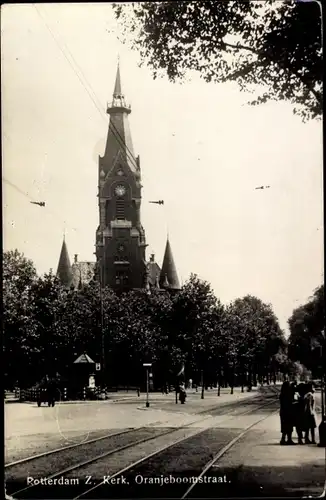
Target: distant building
(120,237)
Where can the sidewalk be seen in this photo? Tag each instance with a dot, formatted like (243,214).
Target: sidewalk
(259,461)
(154,397)
(195,404)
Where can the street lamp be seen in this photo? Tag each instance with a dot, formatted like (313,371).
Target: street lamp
(147,366)
(202,383)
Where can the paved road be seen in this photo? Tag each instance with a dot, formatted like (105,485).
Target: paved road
(30,430)
(254,465)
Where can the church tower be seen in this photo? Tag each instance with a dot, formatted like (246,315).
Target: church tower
(120,237)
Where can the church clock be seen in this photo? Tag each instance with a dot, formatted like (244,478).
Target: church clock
(120,190)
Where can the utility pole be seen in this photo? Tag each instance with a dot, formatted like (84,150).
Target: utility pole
(202,384)
(147,366)
(322,425)
(102,322)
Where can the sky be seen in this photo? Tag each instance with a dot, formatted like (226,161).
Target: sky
(202,150)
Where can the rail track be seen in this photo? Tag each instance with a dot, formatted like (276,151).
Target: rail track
(108,450)
(148,467)
(213,410)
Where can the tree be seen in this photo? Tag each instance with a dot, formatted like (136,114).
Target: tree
(47,302)
(19,275)
(132,337)
(195,318)
(307,334)
(257,338)
(276,45)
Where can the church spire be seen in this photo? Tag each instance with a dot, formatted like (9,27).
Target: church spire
(64,272)
(168,271)
(119,144)
(117,88)
(118,104)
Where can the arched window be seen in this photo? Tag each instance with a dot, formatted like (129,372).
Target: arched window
(121,278)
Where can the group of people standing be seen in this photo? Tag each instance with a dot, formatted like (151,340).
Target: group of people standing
(297,410)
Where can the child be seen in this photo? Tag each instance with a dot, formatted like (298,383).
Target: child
(309,414)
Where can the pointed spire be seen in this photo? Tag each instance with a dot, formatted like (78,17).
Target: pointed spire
(119,142)
(168,271)
(64,272)
(118,103)
(117,88)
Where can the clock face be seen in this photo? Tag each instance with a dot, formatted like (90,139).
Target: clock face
(120,190)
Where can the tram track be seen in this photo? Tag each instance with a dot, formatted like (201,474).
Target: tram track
(111,447)
(219,409)
(156,464)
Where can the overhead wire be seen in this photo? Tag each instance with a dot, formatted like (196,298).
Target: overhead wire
(26,194)
(30,198)
(93,97)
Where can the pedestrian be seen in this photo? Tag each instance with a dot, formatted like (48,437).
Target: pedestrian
(309,414)
(182,393)
(298,411)
(286,413)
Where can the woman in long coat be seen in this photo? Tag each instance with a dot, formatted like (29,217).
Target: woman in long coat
(298,414)
(286,413)
(309,414)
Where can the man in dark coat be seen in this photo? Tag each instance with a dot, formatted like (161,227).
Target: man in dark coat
(286,413)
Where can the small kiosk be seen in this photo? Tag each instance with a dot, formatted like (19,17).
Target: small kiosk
(84,373)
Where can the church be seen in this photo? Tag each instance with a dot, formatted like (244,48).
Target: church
(120,242)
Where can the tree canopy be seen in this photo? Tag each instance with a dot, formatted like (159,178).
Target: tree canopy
(270,47)
(307,333)
(46,327)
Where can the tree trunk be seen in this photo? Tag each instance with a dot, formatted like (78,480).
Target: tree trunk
(232,379)
(249,380)
(254,378)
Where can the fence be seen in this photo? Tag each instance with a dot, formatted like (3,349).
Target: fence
(65,394)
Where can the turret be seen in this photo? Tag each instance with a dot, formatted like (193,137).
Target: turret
(64,272)
(169,277)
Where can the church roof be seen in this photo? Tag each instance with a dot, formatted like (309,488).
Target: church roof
(84,358)
(83,273)
(168,271)
(64,272)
